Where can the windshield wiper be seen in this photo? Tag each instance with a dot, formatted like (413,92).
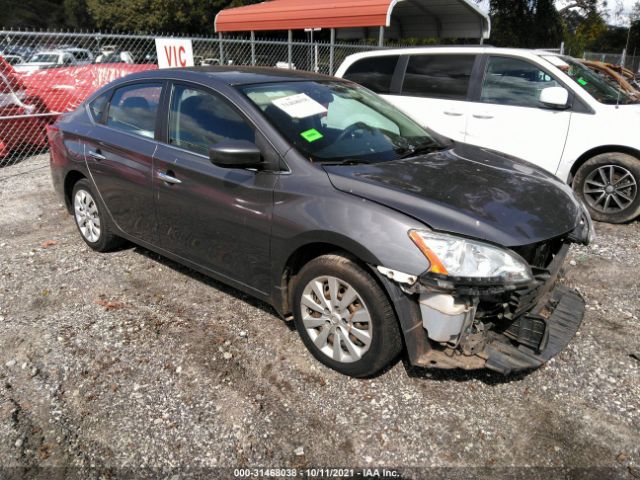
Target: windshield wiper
(425,147)
(346,161)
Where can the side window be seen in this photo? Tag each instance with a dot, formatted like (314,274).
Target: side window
(375,73)
(199,119)
(438,76)
(510,81)
(133,109)
(98,105)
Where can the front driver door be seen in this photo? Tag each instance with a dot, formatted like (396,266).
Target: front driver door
(508,116)
(218,218)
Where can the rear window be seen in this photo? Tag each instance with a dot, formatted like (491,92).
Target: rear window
(133,109)
(438,76)
(97,106)
(374,73)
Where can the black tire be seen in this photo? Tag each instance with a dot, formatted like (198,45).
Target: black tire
(621,162)
(106,240)
(385,344)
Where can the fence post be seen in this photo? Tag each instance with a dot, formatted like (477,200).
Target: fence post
(290,48)
(221,48)
(331,50)
(381,37)
(253,48)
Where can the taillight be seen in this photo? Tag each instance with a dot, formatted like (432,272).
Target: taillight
(52,132)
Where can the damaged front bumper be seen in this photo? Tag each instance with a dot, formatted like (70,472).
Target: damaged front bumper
(502,328)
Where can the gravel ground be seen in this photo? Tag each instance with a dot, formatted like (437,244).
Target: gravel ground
(120,362)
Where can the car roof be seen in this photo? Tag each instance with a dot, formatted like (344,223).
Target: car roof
(231,75)
(474,49)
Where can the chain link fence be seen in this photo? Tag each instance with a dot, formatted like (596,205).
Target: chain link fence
(632,62)
(44,74)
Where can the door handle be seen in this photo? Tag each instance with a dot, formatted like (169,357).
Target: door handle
(168,178)
(453,114)
(482,116)
(97,155)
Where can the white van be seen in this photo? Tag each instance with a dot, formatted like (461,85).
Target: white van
(543,107)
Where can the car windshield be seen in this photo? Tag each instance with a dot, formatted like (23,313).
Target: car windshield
(590,81)
(339,122)
(44,58)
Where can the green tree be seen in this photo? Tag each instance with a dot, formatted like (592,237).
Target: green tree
(547,29)
(510,19)
(587,33)
(77,15)
(32,14)
(525,24)
(175,16)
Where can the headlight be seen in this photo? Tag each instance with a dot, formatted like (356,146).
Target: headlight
(459,257)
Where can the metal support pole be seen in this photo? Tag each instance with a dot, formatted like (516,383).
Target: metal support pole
(332,50)
(381,37)
(221,48)
(311,47)
(315,62)
(253,48)
(562,48)
(290,49)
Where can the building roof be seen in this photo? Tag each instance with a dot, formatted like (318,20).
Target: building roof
(407,18)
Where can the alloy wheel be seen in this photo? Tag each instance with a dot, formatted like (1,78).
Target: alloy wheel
(610,189)
(336,319)
(87,217)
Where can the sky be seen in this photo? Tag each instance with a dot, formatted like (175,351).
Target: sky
(627,4)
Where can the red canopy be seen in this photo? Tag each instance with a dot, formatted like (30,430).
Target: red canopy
(454,18)
(300,14)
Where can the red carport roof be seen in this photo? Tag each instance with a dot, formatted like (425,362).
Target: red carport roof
(449,17)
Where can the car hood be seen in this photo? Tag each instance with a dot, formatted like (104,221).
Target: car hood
(469,191)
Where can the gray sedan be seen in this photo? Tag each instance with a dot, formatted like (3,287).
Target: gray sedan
(373,233)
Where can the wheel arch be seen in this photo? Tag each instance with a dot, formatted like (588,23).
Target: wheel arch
(599,151)
(406,311)
(309,249)
(71,178)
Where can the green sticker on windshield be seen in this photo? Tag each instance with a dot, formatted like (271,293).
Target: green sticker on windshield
(311,135)
(582,81)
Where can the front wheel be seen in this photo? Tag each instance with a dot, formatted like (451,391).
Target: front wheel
(608,184)
(344,317)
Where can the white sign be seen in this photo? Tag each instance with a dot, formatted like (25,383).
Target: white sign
(299,106)
(174,52)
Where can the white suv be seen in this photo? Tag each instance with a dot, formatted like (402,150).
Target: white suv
(543,107)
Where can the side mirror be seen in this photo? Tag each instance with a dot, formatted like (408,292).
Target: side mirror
(235,154)
(554,97)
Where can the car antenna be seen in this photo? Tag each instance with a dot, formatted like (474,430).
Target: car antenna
(622,62)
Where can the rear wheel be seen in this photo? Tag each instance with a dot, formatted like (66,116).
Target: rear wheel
(608,184)
(344,318)
(92,222)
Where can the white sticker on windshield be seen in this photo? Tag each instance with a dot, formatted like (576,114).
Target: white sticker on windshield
(299,106)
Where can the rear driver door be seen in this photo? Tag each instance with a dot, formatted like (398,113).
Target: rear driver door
(119,154)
